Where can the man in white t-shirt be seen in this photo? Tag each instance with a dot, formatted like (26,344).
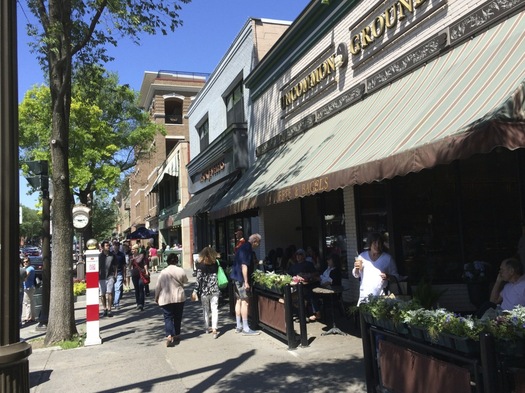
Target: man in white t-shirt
(509,289)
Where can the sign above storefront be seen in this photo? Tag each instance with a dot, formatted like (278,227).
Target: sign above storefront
(315,77)
(385,24)
(212,171)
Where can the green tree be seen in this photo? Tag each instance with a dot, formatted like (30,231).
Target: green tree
(31,226)
(105,214)
(68,32)
(107,132)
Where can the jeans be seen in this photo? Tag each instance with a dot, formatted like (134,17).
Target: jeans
(139,290)
(172,318)
(118,289)
(210,304)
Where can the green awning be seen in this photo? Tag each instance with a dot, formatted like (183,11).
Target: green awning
(204,200)
(469,100)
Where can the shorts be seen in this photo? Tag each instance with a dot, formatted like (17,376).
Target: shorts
(154,261)
(240,291)
(106,286)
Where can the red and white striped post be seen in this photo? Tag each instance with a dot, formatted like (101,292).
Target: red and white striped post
(92,296)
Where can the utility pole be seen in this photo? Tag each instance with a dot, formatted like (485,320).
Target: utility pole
(14,354)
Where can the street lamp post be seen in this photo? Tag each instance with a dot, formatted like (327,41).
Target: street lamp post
(14,354)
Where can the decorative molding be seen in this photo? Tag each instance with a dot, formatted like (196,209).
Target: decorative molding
(406,63)
(341,102)
(482,17)
(336,105)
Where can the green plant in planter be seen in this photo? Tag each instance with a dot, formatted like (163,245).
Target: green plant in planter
(462,326)
(271,280)
(510,325)
(426,295)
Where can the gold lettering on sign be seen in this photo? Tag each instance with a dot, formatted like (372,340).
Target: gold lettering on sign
(385,20)
(323,71)
(214,170)
(311,187)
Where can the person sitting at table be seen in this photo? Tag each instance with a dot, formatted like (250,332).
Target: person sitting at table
(509,289)
(332,274)
(307,272)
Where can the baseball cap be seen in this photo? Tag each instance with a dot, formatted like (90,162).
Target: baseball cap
(300,251)
(238,228)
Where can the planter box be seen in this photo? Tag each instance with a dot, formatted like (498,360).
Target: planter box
(368,318)
(510,348)
(419,333)
(465,345)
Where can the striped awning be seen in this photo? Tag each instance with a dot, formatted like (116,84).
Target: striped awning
(469,100)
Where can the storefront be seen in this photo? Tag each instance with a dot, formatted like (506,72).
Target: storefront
(406,118)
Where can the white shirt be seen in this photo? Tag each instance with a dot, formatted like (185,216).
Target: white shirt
(513,294)
(371,281)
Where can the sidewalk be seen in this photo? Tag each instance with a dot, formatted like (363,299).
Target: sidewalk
(133,357)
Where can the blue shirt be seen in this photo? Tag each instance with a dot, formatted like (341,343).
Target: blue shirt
(31,275)
(243,256)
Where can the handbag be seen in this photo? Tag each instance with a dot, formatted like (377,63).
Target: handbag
(145,279)
(222,279)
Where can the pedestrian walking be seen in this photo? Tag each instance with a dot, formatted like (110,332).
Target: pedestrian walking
(138,265)
(107,270)
(240,275)
(23,275)
(169,295)
(153,257)
(28,311)
(207,289)
(120,274)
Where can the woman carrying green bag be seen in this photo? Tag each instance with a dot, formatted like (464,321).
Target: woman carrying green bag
(207,288)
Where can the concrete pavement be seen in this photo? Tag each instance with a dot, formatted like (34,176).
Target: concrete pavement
(133,357)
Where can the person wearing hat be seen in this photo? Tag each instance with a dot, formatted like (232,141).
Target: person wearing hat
(239,237)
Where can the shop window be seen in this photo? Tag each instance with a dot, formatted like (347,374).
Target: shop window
(334,233)
(454,214)
(204,135)
(235,105)
(173,111)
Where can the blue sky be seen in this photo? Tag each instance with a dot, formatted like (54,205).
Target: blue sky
(209,28)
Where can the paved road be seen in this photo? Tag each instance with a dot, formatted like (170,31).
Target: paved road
(133,358)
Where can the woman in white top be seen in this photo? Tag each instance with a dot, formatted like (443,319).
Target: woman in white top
(374,267)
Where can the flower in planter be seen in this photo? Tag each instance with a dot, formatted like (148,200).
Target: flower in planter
(271,280)
(510,325)
(475,271)
(462,326)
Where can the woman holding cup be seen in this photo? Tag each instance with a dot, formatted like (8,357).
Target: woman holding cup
(374,267)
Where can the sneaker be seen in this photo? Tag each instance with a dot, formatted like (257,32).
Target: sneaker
(251,332)
(110,314)
(140,308)
(105,313)
(215,334)
(238,330)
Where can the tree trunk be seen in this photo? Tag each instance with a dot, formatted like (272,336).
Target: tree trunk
(61,325)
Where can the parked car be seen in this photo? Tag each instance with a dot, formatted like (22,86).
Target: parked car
(32,251)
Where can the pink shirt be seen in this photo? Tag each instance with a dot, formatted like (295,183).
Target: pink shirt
(152,252)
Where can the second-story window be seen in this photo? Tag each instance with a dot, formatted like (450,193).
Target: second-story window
(235,105)
(173,111)
(204,135)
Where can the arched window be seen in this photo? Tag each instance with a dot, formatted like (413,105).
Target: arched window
(173,111)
